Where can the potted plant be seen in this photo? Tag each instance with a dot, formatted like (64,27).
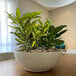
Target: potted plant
(36,41)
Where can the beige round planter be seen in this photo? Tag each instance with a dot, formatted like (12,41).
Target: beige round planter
(38,62)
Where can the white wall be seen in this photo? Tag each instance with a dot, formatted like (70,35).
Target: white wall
(29,6)
(66,15)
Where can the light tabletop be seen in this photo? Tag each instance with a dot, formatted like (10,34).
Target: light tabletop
(65,67)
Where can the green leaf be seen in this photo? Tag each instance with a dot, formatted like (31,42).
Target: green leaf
(19,40)
(33,24)
(59,28)
(18,43)
(49,21)
(17,13)
(35,14)
(14,27)
(12,32)
(40,22)
(20,36)
(60,33)
(58,41)
(10,16)
(33,43)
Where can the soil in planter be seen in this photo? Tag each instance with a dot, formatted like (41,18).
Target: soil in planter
(44,50)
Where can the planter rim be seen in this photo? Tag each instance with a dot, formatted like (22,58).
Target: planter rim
(37,52)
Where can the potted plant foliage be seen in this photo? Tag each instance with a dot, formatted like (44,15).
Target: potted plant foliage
(36,41)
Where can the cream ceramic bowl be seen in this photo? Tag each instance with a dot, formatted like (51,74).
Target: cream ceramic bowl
(38,62)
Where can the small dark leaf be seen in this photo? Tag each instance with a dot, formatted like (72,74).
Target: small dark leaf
(60,33)
(59,28)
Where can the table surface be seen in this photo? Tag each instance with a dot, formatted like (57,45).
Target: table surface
(65,67)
